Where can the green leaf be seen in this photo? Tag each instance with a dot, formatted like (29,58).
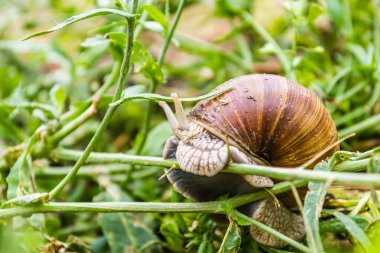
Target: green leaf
(37,221)
(315,11)
(125,232)
(156,15)
(145,64)
(334,225)
(374,234)
(374,165)
(96,41)
(158,135)
(353,228)
(173,236)
(118,39)
(206,245)
(18,178)
(232,239)
(313,205)
(77,18)
(58,97)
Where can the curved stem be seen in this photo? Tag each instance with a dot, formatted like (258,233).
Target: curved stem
(110,111)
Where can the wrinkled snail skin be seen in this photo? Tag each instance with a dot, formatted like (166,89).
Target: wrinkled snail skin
(265,119)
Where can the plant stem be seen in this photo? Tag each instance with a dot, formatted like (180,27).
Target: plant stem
(364,125)
(153,87)
(111,79)
(91,171)
(147,207)
(342,177)
(72,125)
(110,111)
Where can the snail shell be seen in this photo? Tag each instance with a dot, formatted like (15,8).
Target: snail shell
(271,118)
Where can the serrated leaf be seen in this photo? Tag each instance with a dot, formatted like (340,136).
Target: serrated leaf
(145,64)
(156,15)
(232,239)
(315,11)
(58,98)
(125,232)
(77,18)
(313,205)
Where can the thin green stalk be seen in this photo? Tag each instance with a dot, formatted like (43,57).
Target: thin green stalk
(249,19)
(110,111)
(361,110)
(350,93)
(273,232)
(153,87)
(201,47)
(147,207)
(361,126)
(111,79)
(341,177)
(91,171)
(72,125)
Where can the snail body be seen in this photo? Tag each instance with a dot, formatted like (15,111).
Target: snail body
(264,119)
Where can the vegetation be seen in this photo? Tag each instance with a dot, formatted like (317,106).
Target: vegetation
(81,133)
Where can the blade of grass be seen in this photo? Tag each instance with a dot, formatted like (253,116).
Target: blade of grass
(313,205)
(353,228)
(77,18)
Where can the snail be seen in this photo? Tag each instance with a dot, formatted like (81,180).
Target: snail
(264,119)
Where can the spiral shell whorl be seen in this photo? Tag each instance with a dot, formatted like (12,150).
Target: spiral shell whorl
(271,117)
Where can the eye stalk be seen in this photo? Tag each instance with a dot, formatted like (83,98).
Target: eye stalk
(178,121)
(182,121)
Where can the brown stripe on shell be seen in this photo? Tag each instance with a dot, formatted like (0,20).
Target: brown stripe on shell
(271,117)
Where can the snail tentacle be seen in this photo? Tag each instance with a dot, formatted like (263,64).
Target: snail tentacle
(170,115)
(181,117)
